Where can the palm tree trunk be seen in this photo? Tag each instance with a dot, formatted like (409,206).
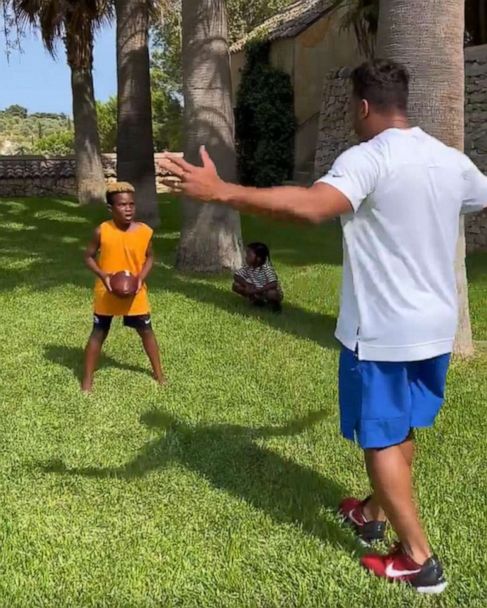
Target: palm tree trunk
(90,176)
(135,147)
(417,33)
(211,235)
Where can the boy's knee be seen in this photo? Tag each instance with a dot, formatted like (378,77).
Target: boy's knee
(274,295)
(99,335)
(238,288)
(145,332)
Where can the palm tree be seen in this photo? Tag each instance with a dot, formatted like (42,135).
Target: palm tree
(75,22)
(417,33)
(210,237)
(135,147)
(362,17)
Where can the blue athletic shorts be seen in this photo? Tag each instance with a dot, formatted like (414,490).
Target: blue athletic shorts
(380,402)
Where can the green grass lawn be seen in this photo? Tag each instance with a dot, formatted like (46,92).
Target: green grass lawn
(220,489)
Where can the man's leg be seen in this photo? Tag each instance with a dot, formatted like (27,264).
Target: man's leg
(407,449)
(92,354)
(365,516)
(417,390)
(390,474)
(372,509)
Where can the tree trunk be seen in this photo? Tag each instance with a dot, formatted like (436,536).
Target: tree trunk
(90,176)
(211,236)
(417,33)
(135,147)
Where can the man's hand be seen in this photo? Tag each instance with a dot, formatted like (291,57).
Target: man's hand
(201,183)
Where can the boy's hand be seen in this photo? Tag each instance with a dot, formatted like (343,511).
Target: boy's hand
(140,284)
(106,281)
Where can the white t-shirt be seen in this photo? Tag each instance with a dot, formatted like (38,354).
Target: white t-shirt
(399,296)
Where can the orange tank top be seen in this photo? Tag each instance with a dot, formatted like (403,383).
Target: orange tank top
(122,250)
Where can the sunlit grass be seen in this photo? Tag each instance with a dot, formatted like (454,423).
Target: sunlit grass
(219,490)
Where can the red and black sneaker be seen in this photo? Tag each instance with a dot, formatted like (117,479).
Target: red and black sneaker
(398,566)
(351,512)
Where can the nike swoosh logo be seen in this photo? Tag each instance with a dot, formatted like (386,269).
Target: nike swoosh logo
(147,321)
(350,516)
(391,572)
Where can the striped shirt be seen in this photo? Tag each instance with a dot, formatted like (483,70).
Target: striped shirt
(259,276)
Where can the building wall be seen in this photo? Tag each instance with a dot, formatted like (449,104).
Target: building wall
(335,133)
(335,130)
(307,59)
(282,56)
(237,63)
(320,48)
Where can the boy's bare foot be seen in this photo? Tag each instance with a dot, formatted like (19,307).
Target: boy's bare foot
(161,380)
(86,387)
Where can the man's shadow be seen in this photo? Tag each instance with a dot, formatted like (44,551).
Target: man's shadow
(231,459)
(72,358)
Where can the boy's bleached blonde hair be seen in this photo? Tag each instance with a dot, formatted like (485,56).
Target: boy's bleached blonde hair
(117,188)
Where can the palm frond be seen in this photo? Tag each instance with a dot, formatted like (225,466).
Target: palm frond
(76,20)
(361,16)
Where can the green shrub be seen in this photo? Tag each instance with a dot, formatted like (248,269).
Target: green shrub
(56,144)
(265,122)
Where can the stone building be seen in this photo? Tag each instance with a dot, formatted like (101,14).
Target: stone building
(306,43)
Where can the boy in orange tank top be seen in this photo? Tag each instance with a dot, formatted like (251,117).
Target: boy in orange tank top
(120,244)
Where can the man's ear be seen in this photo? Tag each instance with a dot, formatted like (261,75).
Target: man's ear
(364,108)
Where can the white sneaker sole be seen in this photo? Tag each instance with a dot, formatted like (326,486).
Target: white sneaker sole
(349,523)
(432,589)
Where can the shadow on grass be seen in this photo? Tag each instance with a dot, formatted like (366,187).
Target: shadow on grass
(294,320)
(228,457)
(72,358)
(42,243)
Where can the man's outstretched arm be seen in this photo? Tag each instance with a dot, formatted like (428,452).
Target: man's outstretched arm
(316,204)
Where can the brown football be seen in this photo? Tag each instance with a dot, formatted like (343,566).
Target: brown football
(123,284)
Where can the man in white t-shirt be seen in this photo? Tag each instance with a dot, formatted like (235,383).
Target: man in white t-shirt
(400,195)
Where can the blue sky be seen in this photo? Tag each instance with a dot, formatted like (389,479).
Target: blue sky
(34,80)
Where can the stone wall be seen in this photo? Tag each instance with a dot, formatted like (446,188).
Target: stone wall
(476,134)
(336,134)
(39,176)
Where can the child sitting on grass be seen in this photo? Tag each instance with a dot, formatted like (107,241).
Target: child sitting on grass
(257,281)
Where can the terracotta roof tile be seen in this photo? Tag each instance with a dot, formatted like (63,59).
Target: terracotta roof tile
(25,167)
